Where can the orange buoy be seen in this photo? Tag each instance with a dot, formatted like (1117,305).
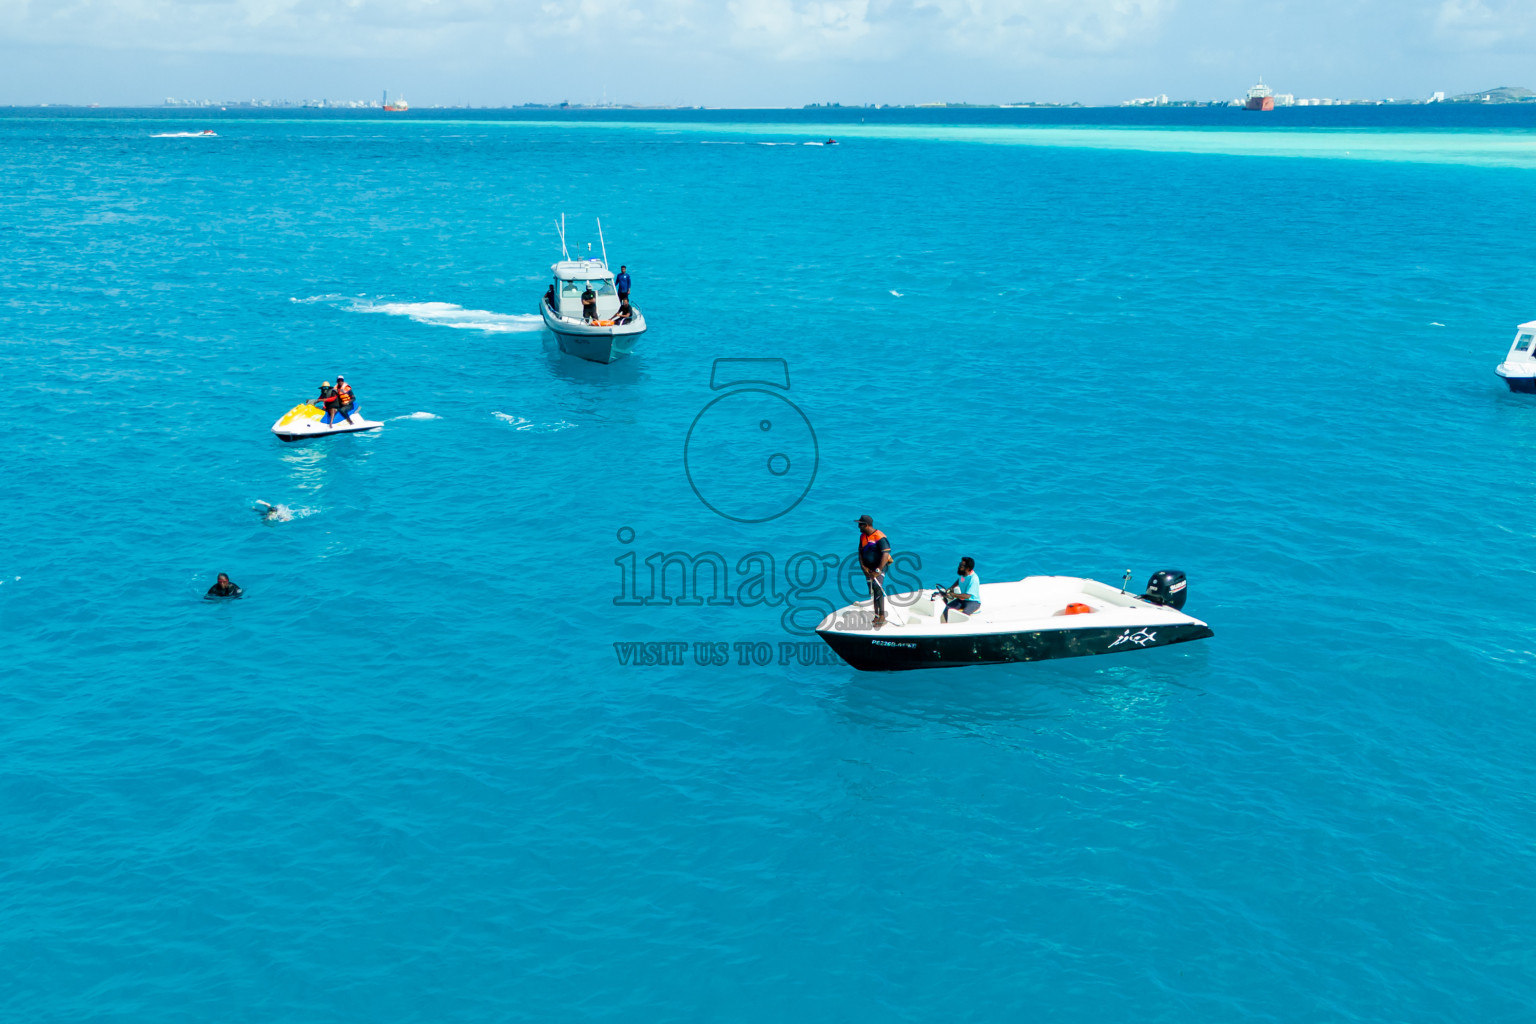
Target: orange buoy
(1076,608)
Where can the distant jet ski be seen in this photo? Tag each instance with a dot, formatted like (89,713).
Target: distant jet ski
(306,420)
(1033,619)
(205,133)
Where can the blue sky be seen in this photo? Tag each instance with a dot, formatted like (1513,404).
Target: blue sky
(754,52)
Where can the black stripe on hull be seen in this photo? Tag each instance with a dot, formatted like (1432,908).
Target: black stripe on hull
(1524,385)
(290,438)
(872,652)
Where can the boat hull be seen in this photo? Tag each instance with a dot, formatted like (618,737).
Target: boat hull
(872,652)
(592,342)
(1260,103)
(1523,383)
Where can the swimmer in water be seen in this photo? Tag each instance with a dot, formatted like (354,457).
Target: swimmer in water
(273,513)
(222,587)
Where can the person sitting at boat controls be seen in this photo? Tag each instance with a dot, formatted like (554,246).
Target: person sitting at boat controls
(964,595)
(344,399)
(625,314)
(222,587)
(549,297)
(589,303)
(327,399)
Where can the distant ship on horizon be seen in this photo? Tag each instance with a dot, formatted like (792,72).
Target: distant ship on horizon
(398,106)
(1260,97)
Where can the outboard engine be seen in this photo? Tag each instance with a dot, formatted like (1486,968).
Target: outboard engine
(1167,587)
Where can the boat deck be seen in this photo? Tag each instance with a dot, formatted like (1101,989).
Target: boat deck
(1033,603)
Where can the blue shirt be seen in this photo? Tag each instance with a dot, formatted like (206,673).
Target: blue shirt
(970,587)
(621,282)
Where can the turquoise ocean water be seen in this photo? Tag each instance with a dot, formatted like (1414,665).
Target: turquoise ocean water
(417,773)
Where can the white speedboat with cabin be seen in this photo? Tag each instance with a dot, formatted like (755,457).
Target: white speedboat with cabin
(601,338)
(1033,619)
(307,420)
(1519,367)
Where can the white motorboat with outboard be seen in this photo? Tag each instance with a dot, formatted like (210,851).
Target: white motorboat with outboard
(1519,367)
(601,338)
(307,420)
(1036,618)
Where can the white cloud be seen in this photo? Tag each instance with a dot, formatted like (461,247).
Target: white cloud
(1477,25)
(775,29)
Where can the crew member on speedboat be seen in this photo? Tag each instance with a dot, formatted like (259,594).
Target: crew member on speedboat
(625,314)
(589,303)
(874,556)
(222,587)
(344,399)
(621,285)
(549,298)
(964,595)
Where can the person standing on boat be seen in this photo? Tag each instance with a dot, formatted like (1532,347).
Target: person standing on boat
(964,595)
(874,556)
(621,283)
(589,303)
(549,298)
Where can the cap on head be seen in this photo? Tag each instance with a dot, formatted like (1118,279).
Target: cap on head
(866,521)
(339,377)
(325,383)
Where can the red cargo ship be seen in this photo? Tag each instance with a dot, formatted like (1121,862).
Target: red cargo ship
(1260,97)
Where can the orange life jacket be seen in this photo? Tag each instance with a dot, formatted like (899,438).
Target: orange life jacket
(873,538)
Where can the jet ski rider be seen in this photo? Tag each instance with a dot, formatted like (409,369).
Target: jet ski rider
(345,402)
(964,595)
(874,556)
(327,400)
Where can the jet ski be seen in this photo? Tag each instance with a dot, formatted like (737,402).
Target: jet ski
(307,420)
(1033,619)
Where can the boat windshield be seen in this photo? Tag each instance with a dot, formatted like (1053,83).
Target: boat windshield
(575,288)
(1524,343)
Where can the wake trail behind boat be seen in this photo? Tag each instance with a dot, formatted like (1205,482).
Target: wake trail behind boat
(446,314)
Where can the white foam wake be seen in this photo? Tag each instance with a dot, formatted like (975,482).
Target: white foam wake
(417,416)
(519,423)
(437,314)
(446,314)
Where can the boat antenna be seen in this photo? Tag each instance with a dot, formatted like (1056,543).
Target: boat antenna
(604,244)
(561,227)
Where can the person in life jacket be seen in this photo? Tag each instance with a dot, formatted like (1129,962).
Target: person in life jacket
(874,557)
(344,399)
(327,399)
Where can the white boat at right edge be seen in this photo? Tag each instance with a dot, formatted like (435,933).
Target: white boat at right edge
(602,338)
(1519,366)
